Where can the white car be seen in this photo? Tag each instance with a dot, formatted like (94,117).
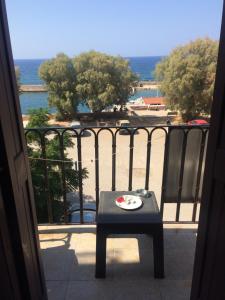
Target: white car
(126,124)
(76,125)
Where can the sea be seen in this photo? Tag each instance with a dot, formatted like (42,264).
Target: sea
(143,66)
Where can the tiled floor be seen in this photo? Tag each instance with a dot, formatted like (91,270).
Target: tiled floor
(69,261)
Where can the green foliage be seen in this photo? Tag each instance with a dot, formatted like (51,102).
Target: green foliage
(17,72)
(103,80)
(59,76)
(95,78)
(187,77)
(39,118)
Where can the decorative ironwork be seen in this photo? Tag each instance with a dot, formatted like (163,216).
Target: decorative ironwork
(176,137)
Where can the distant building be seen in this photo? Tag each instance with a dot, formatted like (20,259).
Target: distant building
(155,103)
(150,103)
(154,100)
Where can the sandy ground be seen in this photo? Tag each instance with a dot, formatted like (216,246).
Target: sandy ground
(122,166)
(148,86)
(122,160)
(136,117)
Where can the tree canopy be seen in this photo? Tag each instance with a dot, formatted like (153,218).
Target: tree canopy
(39,118)
(103,80)
(187,77)
(17,72)
(94,78)
(59,76)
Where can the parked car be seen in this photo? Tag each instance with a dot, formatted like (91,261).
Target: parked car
(198,122)
(76,125)
(126,124)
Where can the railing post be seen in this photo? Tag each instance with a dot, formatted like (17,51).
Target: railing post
(80,177)
(182,147)
(63,177)
(114,162)
(46,186)
(165,165)
(181,175)
(149,143)
(96,170)
(131,161)
(199,173)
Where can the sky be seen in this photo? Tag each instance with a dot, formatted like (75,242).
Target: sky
(43,28)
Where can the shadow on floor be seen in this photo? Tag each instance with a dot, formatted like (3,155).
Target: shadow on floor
(69,264)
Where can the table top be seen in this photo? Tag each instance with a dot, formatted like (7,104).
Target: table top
(110,213)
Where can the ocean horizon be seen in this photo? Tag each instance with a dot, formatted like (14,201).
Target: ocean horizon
(142,66)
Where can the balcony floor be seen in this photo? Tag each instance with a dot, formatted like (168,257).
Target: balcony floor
(68,254)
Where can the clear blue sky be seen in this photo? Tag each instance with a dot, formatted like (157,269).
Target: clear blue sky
(43,28)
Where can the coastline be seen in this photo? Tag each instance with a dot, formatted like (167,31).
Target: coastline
(32,88)
(35,88)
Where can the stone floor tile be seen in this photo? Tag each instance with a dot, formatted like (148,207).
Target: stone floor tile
(136,290)
(124,242)
(83,241)
(175,289)
(56,290)
(179,267)
(132,264)
(89,290)
(130,241)
(83,265)
(69,264)
(124,255)
(185,242)
(106,290)
(57,262)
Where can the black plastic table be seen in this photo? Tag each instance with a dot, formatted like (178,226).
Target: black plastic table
(113,220)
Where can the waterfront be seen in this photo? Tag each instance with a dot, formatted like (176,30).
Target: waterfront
(142,66)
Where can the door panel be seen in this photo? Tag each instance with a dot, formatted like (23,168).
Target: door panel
(209,268)
(15,180)
(9,285)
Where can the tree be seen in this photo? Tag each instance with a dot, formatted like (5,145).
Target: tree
(39,118)
(59,76)
(187,77)
(17,72)
(103,80)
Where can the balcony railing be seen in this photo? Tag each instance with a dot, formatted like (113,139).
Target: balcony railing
(182,151)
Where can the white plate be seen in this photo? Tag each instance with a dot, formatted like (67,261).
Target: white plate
(130,202)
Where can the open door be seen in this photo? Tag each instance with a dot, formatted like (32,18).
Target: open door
(209,269)
(21,275)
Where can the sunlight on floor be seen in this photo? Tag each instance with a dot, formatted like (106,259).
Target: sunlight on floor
(69,262)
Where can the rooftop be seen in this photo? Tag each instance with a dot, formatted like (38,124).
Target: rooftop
(154,100)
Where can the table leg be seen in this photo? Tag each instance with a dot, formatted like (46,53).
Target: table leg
(100,266)
(158,250)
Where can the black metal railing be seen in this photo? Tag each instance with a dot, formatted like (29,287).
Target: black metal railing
(184,150)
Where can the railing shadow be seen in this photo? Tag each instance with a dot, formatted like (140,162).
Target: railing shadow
(69,254)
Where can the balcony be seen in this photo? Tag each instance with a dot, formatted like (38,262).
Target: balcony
(166,160)
(68,254)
